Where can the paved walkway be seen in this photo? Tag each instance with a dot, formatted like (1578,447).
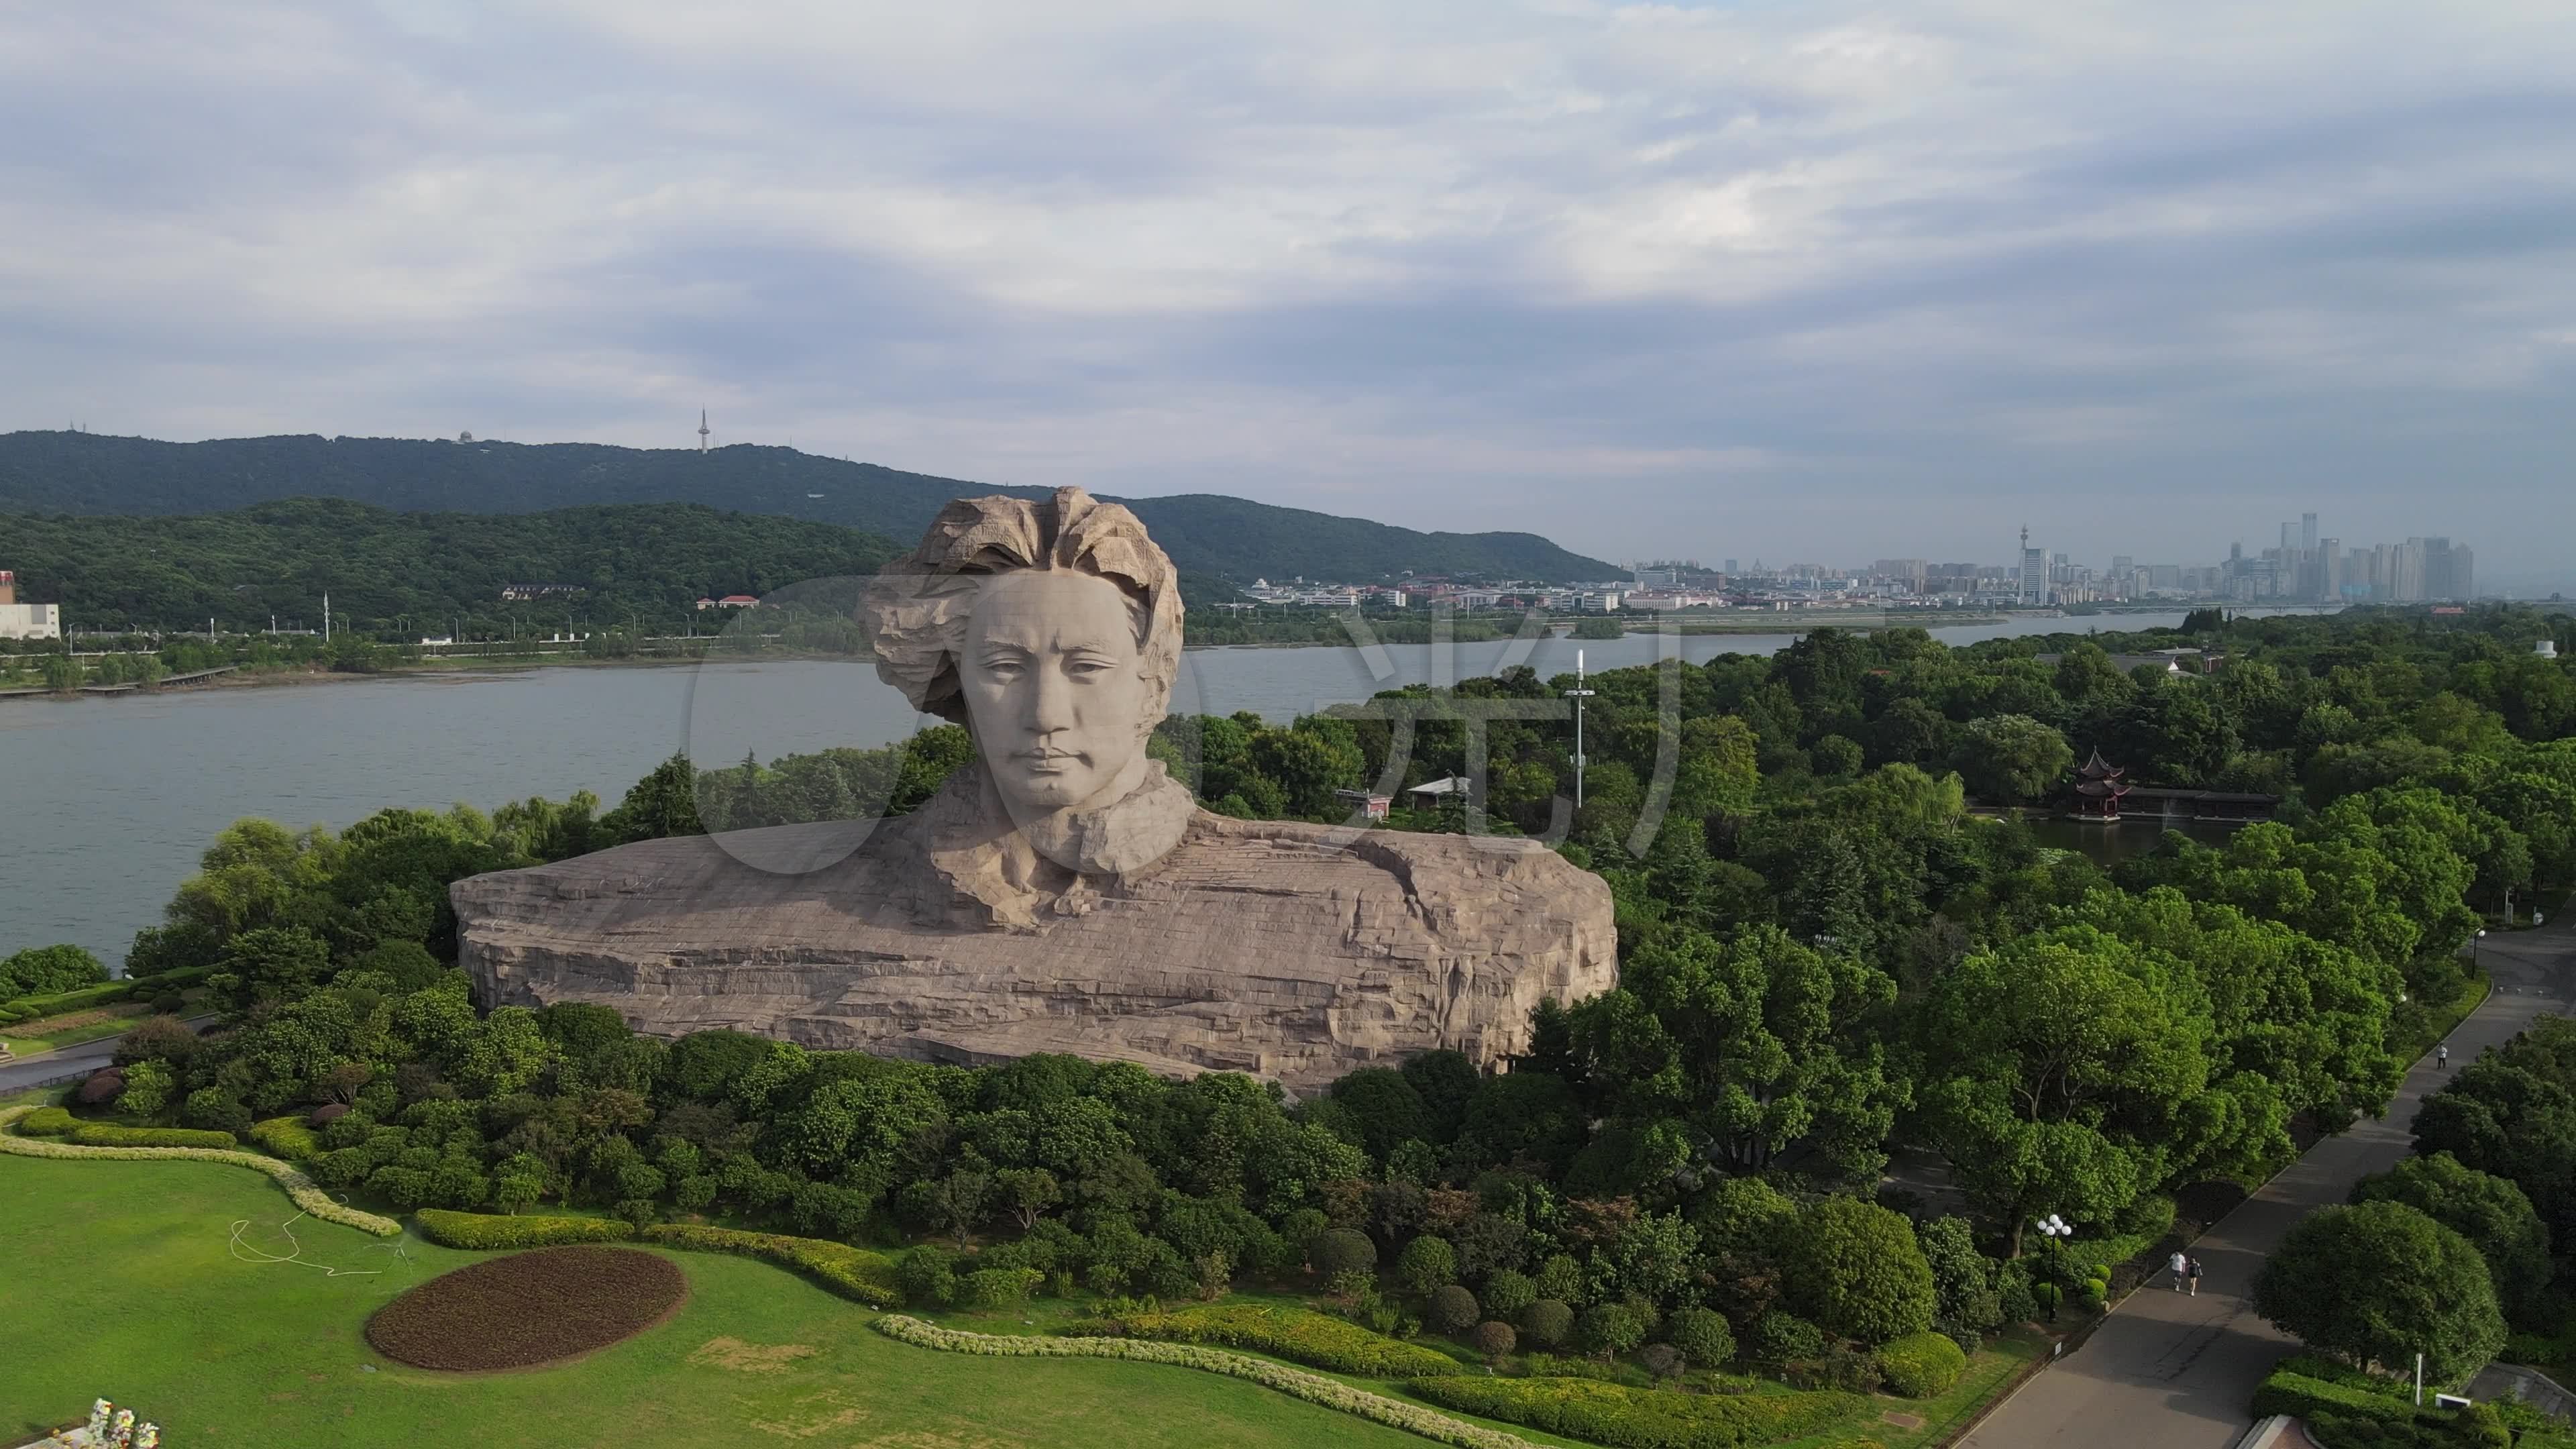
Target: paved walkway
(2173,1370)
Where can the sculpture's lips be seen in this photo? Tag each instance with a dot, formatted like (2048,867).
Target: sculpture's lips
(1049,759)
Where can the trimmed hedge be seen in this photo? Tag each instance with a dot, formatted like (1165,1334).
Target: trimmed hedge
(108,1134)
(28,1008)
(1921,1365)
(1626,1418)
(2302,1397)
(306,1195)
(1297,1334)
(851,1272)
(486,1231)
(48,1122)
(1297,1383)
(288,1137)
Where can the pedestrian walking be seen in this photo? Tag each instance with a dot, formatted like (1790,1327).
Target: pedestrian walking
(2442,1057)
(2180,1267)
(2195,1277)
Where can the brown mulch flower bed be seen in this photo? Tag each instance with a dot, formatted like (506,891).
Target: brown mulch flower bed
(528,1308)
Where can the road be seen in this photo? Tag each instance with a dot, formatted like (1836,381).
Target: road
(2173,1370)
(19,1073)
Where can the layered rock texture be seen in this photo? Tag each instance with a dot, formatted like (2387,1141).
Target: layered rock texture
(1291,951)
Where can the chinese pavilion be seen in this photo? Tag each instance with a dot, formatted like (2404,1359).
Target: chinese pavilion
(2098,789)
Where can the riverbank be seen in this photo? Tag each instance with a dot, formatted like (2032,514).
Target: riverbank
(457,667)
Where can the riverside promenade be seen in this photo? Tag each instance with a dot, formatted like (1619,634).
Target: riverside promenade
(2171,1370)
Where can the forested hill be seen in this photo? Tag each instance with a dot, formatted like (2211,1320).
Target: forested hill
(86,473)
(440,569)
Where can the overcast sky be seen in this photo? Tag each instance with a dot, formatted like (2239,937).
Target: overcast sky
(1805,281)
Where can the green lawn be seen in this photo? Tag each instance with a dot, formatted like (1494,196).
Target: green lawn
(128,1265)
(121,1284)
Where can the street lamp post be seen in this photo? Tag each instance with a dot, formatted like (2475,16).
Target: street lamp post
(2056,1230)
(2473,946)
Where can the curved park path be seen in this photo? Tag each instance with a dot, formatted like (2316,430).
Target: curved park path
(2170,1370)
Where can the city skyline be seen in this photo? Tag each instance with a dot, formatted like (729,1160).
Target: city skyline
(1609,274)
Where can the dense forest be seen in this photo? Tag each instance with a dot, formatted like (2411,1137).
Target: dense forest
(435,570)
(84,473)
(1825,956)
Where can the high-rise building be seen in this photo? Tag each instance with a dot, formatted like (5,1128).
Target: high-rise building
(1731,568)
(2033,583)
(2307,530)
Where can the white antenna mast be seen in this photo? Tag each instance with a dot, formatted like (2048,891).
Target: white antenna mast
(1578,694)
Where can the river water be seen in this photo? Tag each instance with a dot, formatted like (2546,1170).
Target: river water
(107,801)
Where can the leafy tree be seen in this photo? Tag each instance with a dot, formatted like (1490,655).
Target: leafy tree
(2065,1073)
(2012,758)
(2494,1215)
(46,970)
(1028,1192)
(2377,1283)
(1750,1043)
(267,964)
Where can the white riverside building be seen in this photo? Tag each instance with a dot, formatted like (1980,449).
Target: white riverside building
(26,621)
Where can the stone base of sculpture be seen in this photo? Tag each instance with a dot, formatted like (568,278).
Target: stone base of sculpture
(1290,951)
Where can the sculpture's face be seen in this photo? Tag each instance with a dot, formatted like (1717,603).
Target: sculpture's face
(1053,680)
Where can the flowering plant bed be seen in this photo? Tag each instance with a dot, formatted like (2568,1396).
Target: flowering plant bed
(1298,1334)
(1313,1388)
(528,1309)
(1627,1418)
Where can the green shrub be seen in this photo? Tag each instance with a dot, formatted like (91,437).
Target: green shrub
(482,1232)
(108,1134)
(2305,1398)
(854,1273)
(1452,1309)
(1000,1287)
(1780,1337)
(1297,1334)
(1547,1322)
(48,1122)
(1921,1365)
(1493,1338)
(1344,1250)
(1632,1418)
(926,1278)
(288,1137)
(1612,1328)
(1703,1337)
(1507,1292)
(1426,1264)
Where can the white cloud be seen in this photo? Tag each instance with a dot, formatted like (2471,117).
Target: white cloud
(1394,259)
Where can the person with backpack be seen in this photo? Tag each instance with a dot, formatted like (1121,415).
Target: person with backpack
(2193,1272)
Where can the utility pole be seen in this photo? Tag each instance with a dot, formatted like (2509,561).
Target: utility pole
(1578,694)
(326,616)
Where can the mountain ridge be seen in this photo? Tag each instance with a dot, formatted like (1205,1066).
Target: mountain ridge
(103,474)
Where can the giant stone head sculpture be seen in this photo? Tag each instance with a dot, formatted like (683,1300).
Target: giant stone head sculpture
(1051,630)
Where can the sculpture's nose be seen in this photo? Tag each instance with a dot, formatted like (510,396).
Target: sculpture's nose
(1050,700)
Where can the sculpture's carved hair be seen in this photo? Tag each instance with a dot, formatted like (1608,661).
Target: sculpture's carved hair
(917,608)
